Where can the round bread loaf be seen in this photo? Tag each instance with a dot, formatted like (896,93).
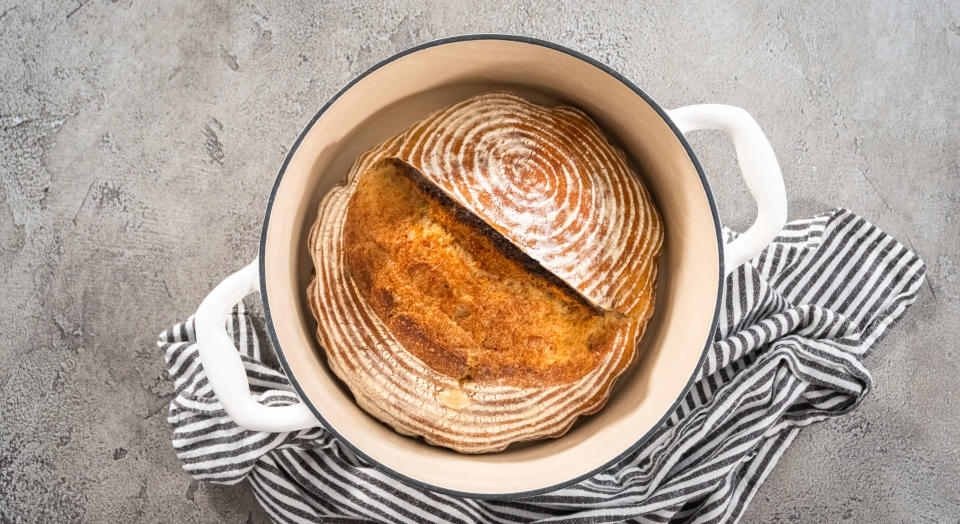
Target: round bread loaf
(483,278)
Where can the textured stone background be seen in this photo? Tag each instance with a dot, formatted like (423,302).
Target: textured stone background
(139,140)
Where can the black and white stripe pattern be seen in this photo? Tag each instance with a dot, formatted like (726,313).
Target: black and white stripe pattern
(796,324)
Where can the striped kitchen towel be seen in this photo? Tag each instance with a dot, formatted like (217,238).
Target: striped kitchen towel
(795,326)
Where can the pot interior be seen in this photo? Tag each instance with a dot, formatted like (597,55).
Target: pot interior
(388,100)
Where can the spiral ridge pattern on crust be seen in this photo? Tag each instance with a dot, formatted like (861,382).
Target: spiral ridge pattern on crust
(549,181)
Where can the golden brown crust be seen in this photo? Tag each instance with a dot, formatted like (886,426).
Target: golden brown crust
(457,297)
(483,278)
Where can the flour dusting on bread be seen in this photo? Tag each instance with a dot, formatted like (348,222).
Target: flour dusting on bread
(483,278)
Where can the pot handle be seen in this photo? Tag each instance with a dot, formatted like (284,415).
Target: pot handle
(225,370)
(759,167)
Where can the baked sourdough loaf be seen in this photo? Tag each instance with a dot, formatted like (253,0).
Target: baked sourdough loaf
(484,277)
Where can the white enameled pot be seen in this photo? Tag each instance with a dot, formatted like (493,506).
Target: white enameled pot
(384,101)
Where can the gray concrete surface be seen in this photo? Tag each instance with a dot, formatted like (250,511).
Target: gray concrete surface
(138,142)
